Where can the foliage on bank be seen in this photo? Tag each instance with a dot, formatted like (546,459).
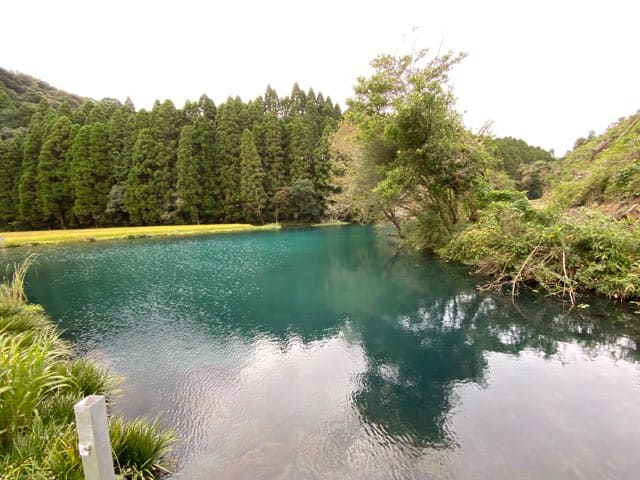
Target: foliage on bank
(40,381)
(563,251)
(402,155)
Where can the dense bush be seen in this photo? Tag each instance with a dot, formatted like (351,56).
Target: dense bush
(563,251)
(40,381)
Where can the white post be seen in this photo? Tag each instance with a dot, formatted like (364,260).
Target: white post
(93,438)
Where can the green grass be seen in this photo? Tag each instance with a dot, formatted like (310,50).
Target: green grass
(40,381)
(44,237)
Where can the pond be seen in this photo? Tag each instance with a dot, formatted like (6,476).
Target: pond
(322,353)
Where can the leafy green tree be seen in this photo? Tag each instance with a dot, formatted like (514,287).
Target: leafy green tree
(10,165)
(514,153)
(304,201)
(53,186)
(252,193)
(411,132)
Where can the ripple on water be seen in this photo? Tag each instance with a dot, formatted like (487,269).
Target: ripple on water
(322,354)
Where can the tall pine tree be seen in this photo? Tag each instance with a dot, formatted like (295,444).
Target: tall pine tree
(229,128)
(53,186)
(252,194)
(29,214)
(150,186)
(10,165)
(91,167)
(195,197)
(270,143)
(301,149)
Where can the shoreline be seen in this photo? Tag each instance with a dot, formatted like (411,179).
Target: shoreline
(56,237)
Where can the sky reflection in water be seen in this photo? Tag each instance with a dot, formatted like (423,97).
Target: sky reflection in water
(322,354)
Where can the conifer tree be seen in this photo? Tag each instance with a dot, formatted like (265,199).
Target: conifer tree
(297,102)
(271,149)
(207,109)
(228,132)
(10,165)
(121,134)
(300,151)
(195,168)
(90,165)
(271,101)
(28,208)
(252,194)
(150,186)
(53,187)
(140,197)
(322,164)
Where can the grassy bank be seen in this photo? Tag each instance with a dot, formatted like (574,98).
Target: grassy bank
(40,381)
(334,223)
(17,239)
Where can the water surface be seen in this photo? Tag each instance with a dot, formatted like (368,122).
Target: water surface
(323,354)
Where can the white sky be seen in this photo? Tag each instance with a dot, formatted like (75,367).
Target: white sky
(547,71)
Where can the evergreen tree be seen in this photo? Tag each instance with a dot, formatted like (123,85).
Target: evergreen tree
(53,187)
(121,134)
(10,165)
(28,208)
(150,186)
(141,200)
(297,102)
(322,164)
(271,101)
(207,109)
(300,151)
(252,194)
(271,150)
(254,114)
(304,201)
(90,164)
(195,167)
(165,127)
(228,132)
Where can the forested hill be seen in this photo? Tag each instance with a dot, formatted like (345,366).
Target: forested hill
(601,172)
(80,162)
(20,95)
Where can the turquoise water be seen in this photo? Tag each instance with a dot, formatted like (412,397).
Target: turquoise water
(324,354)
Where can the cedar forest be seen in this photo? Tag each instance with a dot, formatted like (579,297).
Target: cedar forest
(399,155)
(104,164)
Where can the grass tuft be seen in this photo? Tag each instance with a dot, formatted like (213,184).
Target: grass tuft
(40,381)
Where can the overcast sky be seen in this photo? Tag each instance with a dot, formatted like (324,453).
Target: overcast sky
(546,71)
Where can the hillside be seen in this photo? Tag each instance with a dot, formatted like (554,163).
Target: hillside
(582,236)
(20,95)
(602,172)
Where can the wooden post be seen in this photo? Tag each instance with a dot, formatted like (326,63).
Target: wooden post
(93,438)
